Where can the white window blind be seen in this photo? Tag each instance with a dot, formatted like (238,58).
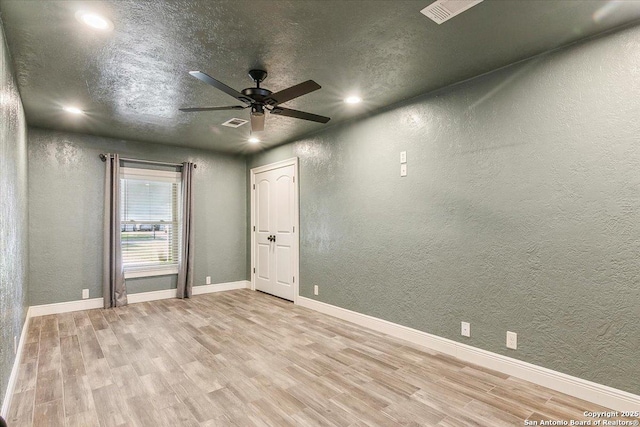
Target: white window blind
(150,221)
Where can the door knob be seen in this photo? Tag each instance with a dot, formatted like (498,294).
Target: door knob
(271,238)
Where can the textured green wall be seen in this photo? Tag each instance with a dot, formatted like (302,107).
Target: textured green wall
(520,211)
(13,215)
(66,214)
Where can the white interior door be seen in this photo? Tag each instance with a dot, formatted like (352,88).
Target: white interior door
(275,245)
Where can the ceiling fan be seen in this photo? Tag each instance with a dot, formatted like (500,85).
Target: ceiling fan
(260,99)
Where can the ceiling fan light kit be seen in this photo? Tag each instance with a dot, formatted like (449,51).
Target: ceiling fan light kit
(260,99)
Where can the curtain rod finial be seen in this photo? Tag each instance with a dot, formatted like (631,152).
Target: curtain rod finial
(103,157)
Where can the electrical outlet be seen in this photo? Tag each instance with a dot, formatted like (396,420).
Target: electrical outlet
(403,169)
(403,157)
(15,344)
(85,293)
(465,329)
(208,280)
(512,340)
(315,289)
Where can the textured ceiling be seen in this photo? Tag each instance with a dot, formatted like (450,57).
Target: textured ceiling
(132,80)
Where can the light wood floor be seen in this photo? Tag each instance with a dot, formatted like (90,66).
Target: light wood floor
(248,359)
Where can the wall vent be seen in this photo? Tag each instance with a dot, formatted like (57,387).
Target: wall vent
(443,10)
(234,123)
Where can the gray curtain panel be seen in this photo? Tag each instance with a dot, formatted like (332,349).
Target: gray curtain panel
(114,290)
(185,268)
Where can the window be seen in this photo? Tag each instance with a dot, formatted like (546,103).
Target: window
(150,221)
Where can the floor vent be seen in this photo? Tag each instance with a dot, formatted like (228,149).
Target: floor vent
(234,123)
(443,10)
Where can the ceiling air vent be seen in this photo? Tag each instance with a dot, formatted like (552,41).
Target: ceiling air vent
(443,10)
(234,123)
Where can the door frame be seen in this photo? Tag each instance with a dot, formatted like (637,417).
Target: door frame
(296,220)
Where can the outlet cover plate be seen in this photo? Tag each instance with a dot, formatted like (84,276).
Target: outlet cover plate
(465,329)
(512,340)
(315,289)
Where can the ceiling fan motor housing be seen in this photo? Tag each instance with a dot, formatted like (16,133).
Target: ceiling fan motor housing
(258,94)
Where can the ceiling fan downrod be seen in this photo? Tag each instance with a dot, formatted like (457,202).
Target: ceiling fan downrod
(258,76)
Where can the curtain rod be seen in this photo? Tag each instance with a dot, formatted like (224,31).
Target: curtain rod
(103,157)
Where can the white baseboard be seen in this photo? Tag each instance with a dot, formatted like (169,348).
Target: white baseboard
(583,389)
(65,307)
(220,287)
(151,296)
(88,304)
(13,377)
(197,290)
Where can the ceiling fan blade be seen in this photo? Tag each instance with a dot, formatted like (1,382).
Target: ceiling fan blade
(299,114)
(221,86)
(292,92)
(193,109)
(257,122)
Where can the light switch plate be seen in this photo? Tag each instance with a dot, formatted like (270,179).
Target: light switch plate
(403,169)
(403,157)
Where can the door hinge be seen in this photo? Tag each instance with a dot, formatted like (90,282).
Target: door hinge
(294,229)
(254,270)
(254,186)
(294,179)
(294,279)
(254,228)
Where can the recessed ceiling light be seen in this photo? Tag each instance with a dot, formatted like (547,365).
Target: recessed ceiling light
(73,110)
(254,140)
(94,20)
(353,100)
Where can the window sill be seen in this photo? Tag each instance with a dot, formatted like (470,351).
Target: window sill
(132,274)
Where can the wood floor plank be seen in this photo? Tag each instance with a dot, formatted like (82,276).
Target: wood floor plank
(111,407)
(201,407)
(71,357)
(177,415)
(77,395)
(244,358)
(49,414)
(22,405)
(98,372)
(128,381)
(49,355)
(27,376)
(413,411)
(363,411)
(83,419)
(89,344)
(49,386)
(66,325)
(30,352)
